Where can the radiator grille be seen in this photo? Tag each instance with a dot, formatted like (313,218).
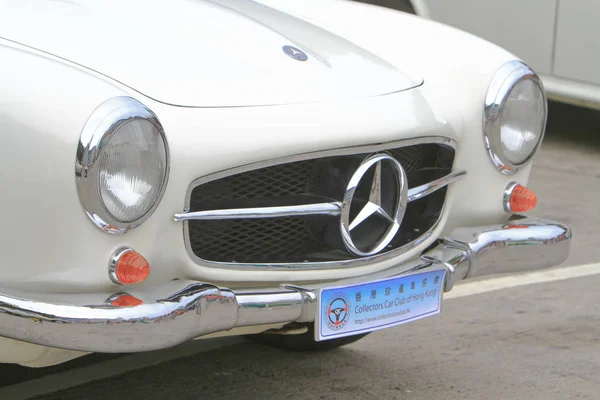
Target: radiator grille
(305,239)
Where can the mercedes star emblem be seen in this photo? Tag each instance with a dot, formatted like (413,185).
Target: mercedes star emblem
(295,53)
(387,204)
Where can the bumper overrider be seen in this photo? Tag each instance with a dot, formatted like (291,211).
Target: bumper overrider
(183,310)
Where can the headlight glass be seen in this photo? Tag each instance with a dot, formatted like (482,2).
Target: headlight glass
(131,169)
(522,121)
(515,117)
(122,165)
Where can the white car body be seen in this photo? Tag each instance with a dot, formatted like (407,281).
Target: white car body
(558,38)
(200,67)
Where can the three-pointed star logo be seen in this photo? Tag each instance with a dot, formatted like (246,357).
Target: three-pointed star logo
(295,53)
(373,206)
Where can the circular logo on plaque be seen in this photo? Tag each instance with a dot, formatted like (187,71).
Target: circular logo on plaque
(337,313)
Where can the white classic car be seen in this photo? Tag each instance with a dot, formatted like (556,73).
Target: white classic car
(302,171)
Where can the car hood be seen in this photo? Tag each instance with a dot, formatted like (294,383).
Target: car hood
(202,53)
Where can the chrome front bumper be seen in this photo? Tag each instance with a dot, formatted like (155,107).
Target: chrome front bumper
(183,310)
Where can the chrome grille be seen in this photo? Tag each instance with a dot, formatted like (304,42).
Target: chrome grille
(304,239)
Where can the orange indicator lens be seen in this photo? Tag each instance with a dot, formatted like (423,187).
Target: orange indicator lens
(132,268)
(522,199)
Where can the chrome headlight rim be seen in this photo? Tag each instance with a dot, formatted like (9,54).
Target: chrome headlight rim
(504,81)
(105,120)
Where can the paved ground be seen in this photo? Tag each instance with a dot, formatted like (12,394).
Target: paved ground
(539,341)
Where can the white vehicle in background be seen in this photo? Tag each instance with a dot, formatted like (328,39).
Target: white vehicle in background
(560,39)
(288,170)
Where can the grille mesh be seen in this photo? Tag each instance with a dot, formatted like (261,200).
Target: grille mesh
(275,240)
(282,180)
(301,239)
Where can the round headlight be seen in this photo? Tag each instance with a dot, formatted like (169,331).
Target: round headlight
(514,117)
(122,164)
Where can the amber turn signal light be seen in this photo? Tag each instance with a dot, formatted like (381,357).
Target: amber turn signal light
(518,198)
(128,267)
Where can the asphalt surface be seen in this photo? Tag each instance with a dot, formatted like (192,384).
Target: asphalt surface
(539,341)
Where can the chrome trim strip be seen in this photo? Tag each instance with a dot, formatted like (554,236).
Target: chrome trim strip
(333,209)
(357,262)
(507,76)
(433,186)
(507,195)
(178,311)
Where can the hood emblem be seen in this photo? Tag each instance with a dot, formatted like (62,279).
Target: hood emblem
(295,53)
(369,225)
